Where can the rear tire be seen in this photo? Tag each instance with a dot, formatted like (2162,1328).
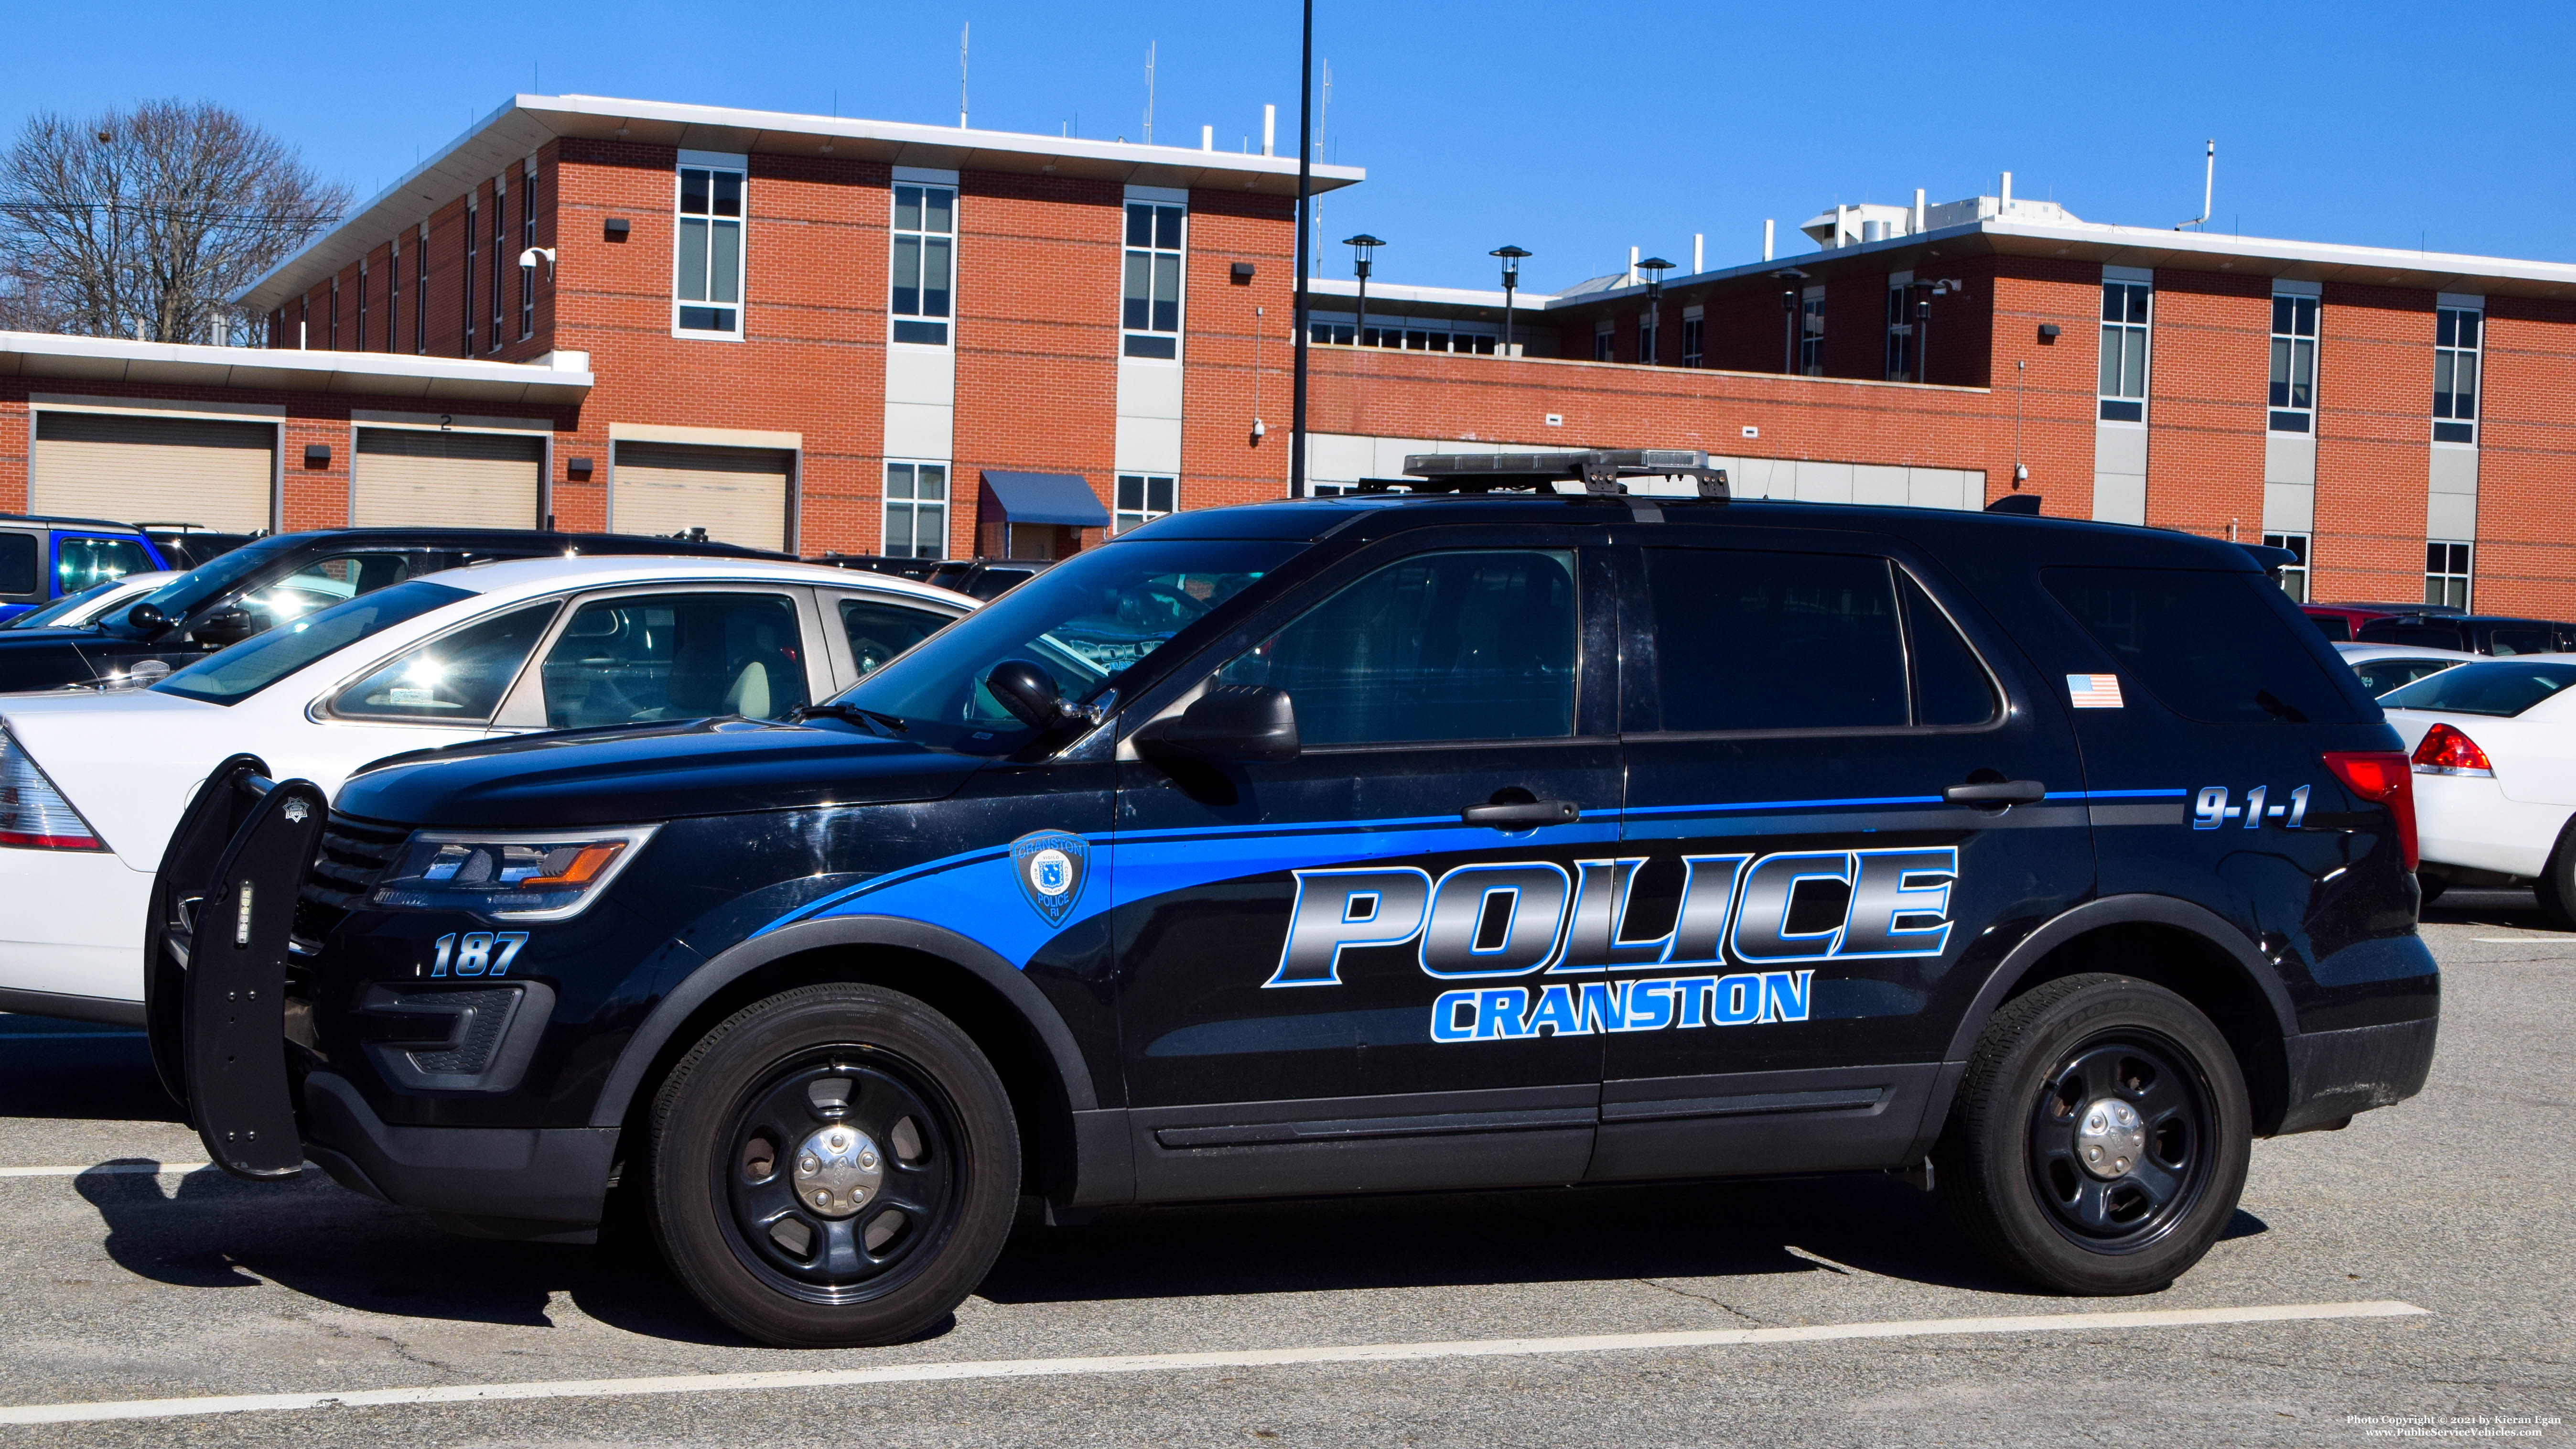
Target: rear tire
(2126,1207)
(832,1167)
(2555,890)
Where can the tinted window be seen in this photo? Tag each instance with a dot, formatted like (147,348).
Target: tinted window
(675,656)
(1774,641)
(2333,626)
(879,631)
(2205,644)
(81,563)
(1443,646)
(2382,675)
(2412,635)
(247,668)
(17,563)
(320,584)
(458,679)
(1950,686)
(2497,688)
(2519,639)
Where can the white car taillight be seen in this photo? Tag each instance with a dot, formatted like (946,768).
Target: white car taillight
(33,814)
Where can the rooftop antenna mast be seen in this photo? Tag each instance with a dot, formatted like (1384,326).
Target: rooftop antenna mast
(961,74)
(2208,185)
(1149,93)
(1323,128)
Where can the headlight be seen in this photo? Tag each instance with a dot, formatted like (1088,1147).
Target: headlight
(507,875)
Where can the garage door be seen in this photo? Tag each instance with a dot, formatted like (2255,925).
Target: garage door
(455,480)
(158,470)
(738,495)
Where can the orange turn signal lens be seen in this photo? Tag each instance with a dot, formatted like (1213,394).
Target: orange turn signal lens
(584,868)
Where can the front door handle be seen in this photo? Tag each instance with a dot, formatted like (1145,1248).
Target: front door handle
(1522,814)
(1997,792)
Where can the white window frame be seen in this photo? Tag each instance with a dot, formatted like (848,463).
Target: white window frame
(2113,402)
(911,507)
(2439,581)
(921,237)
(740,168)
(2294,577)
(1694,337)
(1123,517)
(2292,419)
(2458,426)
(1130,339)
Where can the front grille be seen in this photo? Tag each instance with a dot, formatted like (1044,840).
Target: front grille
(353,854)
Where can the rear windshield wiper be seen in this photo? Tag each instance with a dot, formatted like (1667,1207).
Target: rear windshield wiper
(850,714)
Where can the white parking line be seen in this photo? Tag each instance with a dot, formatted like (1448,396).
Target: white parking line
(154,1169)
(2523,940)
(1177,1362)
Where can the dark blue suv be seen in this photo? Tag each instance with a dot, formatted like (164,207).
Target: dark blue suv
(1349,845)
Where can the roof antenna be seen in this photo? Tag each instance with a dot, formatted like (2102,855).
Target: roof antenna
(2208,184)
(961,73)
(1149,93)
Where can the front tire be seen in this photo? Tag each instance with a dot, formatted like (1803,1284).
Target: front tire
(834,1166)
(2100,1139)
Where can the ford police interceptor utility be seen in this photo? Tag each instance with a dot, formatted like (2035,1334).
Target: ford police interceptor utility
(1359,844)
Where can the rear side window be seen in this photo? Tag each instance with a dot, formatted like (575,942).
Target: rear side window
(457,679)
(2334,626)
(879,631)
(2498,689)
(2382,675)
(2520,639)
(17,563)
(2203,643)
(82,563)
(2412,635)
(1748,640)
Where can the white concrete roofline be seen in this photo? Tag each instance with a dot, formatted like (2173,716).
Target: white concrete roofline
(1338,288)
(515,130)
(379,374)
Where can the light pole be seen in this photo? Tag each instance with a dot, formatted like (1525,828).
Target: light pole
(1654,268)
(1789,278)
(1363,247)
(1511,283)
(1305,204)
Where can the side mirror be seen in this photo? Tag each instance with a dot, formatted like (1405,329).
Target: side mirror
(1230,722)
(224,627)
(1028,692)
(148,618)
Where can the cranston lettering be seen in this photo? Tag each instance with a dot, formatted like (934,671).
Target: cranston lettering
(1593,1008)
(1516,918)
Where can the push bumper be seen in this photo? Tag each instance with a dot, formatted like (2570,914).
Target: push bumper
(2333,1074)
(514,1182)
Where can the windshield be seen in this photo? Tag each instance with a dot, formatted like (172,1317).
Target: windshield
(60,609)
(190,591)
(247,668)
(1085,621)
(2499,689)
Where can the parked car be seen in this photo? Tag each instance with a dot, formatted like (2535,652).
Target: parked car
(2384,667)
(987,578)
(2488,634)
(264,583)
(1363,844)
(79,611)
(2493,746)
(187,545)
(882,563)
(495,649)
(43,559)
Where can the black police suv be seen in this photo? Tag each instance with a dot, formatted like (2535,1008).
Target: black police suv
(1359,844)
(257,586)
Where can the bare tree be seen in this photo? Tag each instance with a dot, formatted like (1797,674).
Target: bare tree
(143,223)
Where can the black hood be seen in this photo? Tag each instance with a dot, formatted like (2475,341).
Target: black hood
(52,658)
(636,774)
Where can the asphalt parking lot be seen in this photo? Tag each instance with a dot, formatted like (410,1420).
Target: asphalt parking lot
(1806,1312)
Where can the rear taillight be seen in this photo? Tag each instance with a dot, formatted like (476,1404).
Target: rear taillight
(33,814)
(2446,751)
(2383,777)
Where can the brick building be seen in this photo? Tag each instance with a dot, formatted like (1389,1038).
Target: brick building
(828,334)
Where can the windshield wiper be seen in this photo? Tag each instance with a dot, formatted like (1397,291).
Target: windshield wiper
(849,714)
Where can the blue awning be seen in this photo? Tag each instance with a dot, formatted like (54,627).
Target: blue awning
(1061,498)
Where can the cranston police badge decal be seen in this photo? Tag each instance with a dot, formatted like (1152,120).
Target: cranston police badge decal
(1052,866)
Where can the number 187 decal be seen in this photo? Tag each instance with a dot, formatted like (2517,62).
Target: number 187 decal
(477,953)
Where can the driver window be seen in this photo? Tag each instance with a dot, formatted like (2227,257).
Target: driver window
(675,656)
(458,679)
(1444,646)
(320,584)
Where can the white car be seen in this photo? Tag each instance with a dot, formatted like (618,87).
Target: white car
(2384,667)
(79,611)
(93,782)
(2494,747)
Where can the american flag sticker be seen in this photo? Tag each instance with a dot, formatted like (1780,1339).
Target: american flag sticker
(2094,691)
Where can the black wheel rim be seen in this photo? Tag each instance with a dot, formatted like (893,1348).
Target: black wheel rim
(840,1255)
(2103,1205)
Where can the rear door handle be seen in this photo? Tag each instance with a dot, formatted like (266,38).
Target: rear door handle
(1522,815)
(1997,792)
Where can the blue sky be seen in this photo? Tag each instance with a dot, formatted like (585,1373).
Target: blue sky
(1572,130)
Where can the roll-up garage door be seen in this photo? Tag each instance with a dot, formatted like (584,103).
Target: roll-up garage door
(456,480)
(738,495)
(158,470)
